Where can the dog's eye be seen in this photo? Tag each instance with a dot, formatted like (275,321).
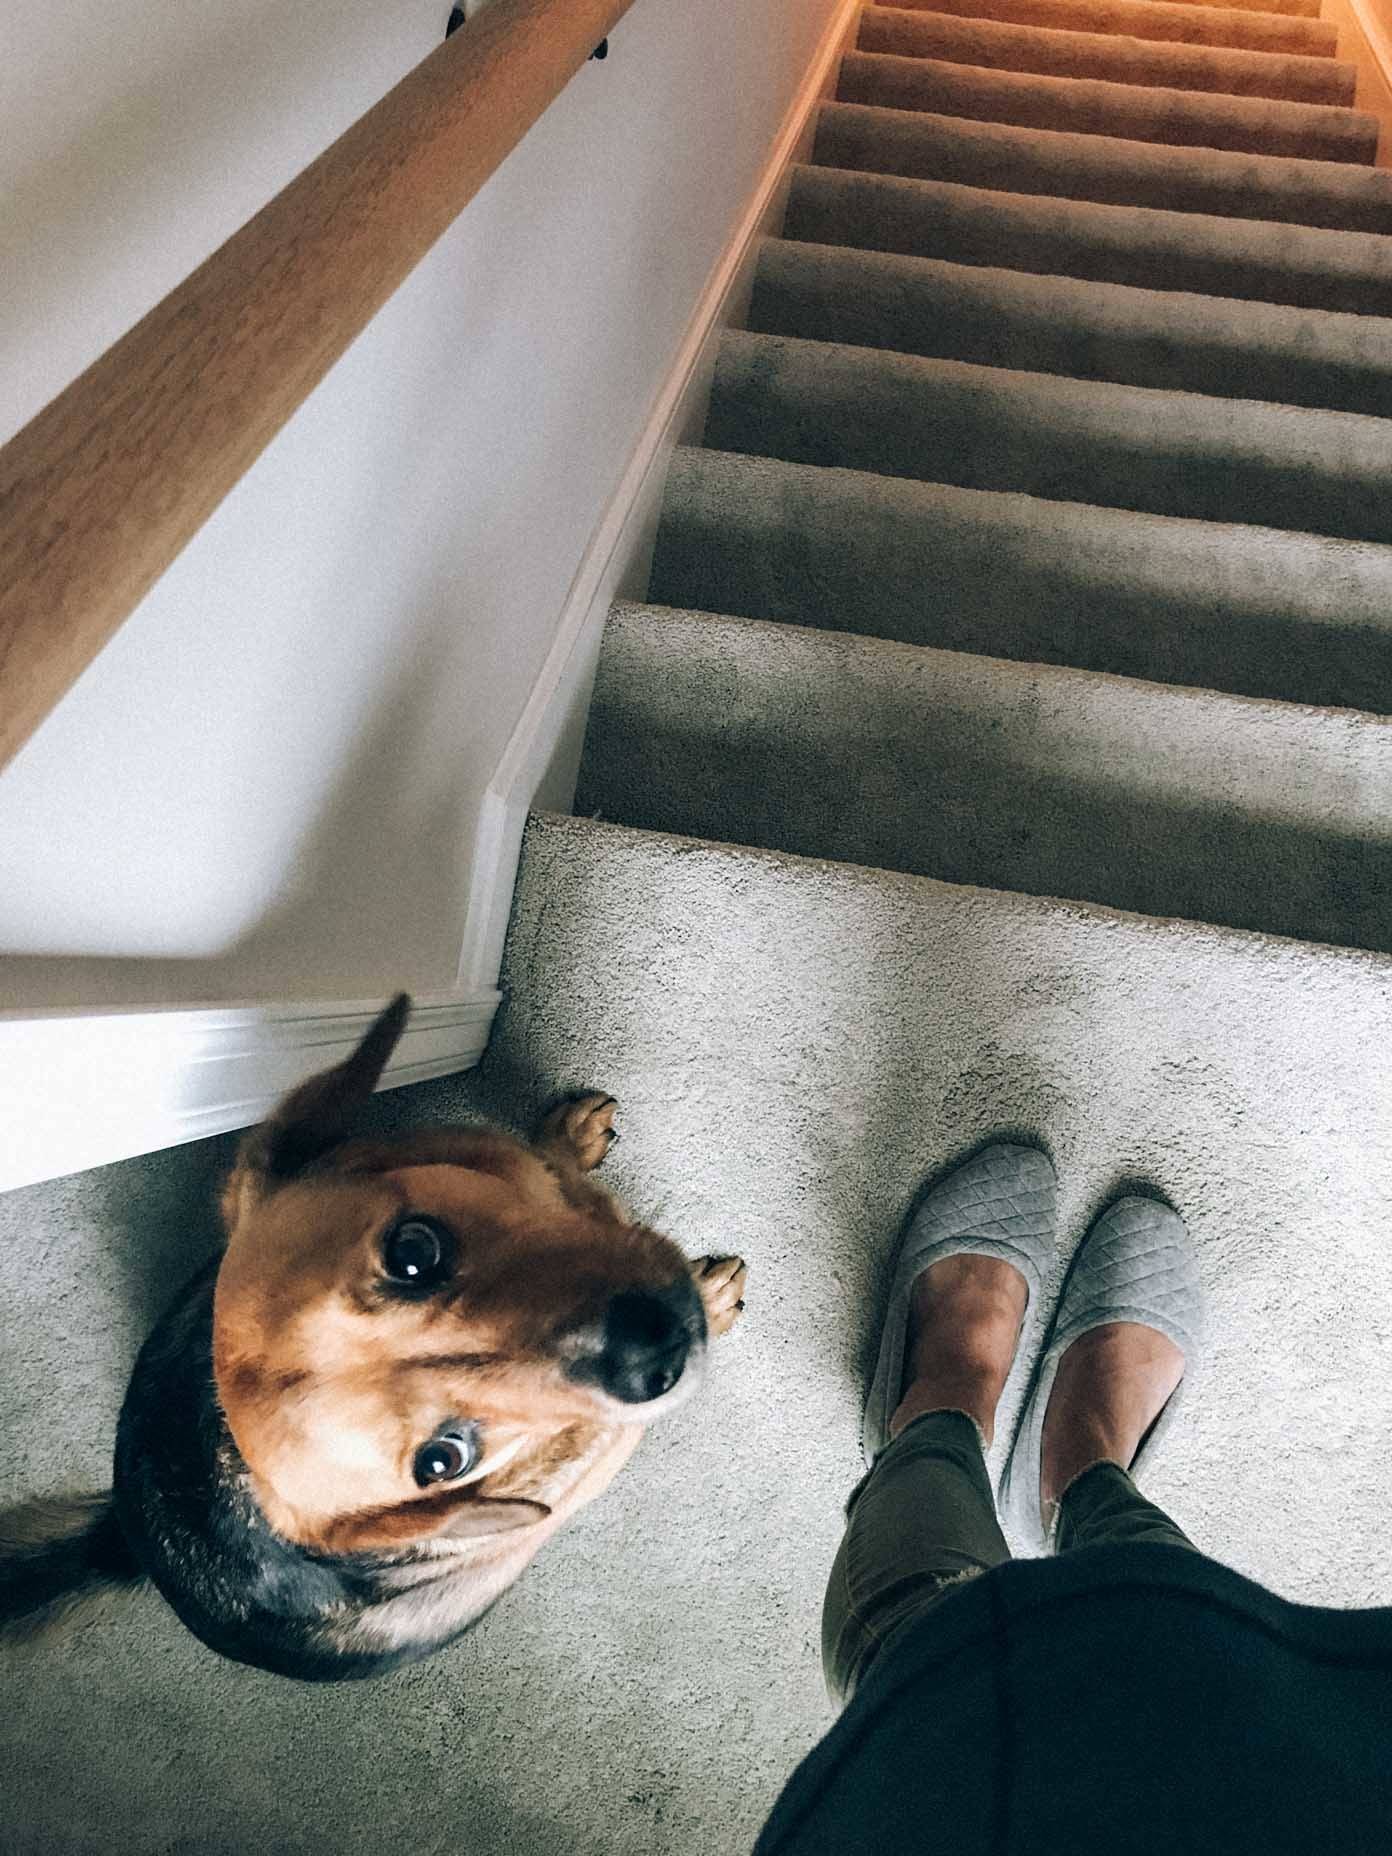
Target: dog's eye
(447,1457)
(417,1253)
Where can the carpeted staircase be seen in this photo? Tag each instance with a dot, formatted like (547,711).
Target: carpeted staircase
(1004,741)
(1034,515)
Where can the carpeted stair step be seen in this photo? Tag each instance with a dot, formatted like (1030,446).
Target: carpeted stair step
(1055,782)
(1000,45)
(1254,259)
(1155,19)
(1084,441)
(1254,611)
(1293,9)
(1006,158)
(1061,325)
(1092,106)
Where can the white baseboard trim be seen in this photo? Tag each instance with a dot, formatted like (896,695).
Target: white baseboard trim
(82,1091)
(542,758)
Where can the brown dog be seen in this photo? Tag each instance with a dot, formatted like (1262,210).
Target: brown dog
(414,1361)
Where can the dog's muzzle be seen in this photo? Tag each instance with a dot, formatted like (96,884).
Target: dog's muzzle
(642,1348)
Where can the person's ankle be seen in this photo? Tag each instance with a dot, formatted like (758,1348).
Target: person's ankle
(1053,1487)
(1111,1384)
(1071,1447)
(964,1323)
(974,1395)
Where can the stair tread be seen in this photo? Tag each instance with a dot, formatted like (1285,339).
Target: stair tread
(1121,938)
(1157,19)
(1143,448)
(1036,322)
(1087,105)
(1061,52)
(1288,9)
(1257,611)
(1041,778)
(1110,170)
(1306,266)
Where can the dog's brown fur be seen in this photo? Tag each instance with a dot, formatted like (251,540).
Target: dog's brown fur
(329,1388)
(329,1383)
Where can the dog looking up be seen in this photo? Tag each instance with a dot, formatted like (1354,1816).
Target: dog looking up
(415,1359)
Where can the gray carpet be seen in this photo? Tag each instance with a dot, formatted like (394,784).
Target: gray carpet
(1029,323)
(1082,441)
(1266,260)
(1012,776)
(797,1047)
(1015,582)
(1127,58)
(1051,163)
(1154,19)
(1228,606)
(1101,106)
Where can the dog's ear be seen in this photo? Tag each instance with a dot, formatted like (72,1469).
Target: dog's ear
(465,1517)
(314,1117)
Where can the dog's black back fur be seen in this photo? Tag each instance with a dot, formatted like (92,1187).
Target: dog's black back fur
(186,1510)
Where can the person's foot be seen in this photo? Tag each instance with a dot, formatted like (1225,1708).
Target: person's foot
(1112,1384)
(965,1315)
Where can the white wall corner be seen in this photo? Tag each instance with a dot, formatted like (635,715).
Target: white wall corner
(81,1091)
(1374,29)
(1365,42)
(542,758)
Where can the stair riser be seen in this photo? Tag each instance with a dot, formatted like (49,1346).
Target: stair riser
(1056,325)
(1003,46)
(1046,782)
(1146,19)
(1078,441)
(1248,610)
(1091,107)
(1102,168)
(1247,259)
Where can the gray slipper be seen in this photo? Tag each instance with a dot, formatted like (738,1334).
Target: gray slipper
(1137,1263)
(1000,1204)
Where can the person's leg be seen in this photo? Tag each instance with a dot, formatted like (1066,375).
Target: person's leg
(924,1518)
(1112,1384)
(921,1521)
(1103,1507)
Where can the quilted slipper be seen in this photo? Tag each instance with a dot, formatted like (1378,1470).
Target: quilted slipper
(1000,1204)
(1137,1263)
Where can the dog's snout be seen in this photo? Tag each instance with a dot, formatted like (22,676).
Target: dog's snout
(643,1347)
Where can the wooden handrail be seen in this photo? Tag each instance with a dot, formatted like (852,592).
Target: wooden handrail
(101,491)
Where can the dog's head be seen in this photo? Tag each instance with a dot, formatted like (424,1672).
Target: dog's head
(407,1334)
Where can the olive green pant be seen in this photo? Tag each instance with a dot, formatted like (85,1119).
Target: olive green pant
(924,1519)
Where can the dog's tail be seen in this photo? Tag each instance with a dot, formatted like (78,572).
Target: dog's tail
(55,1554)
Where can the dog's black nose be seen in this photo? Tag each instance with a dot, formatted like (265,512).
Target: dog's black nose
(643,1350)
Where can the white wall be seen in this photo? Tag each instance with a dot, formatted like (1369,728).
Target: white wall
(268,784)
